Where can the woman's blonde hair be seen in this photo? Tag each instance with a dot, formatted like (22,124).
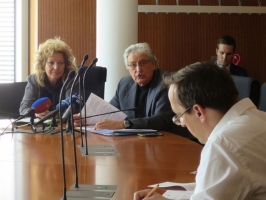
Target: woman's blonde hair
(47,49)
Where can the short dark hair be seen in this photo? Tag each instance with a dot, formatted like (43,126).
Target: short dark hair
(206,84)
(228,40)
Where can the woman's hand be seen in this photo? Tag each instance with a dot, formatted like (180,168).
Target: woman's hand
(77,121)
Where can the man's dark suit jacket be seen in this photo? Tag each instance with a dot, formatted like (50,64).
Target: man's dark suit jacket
(158,109)
(237,71)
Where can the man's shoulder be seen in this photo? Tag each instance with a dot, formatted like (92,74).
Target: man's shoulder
(237,70)
(126,79)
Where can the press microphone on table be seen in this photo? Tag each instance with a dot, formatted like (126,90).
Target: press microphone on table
(65,104)
(76,103)
(39,106)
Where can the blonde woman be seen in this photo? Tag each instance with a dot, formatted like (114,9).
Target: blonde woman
(52,63)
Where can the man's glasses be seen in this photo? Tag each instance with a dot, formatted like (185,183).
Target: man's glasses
(141,63)
(178,119)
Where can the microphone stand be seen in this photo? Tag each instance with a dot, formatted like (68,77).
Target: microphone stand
(129,109)
(84,103)
(85,58)
(71,74)
(80,72)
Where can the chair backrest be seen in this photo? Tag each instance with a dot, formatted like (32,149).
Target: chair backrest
(262,103)
(247,87)
(10,99)
(95,81)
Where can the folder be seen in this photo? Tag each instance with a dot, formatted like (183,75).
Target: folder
(108,132)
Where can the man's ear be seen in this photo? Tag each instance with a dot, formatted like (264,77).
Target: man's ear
(199,112)
(216,50)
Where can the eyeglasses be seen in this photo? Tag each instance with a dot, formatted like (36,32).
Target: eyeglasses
(178,119)
(141,63)
(51,64)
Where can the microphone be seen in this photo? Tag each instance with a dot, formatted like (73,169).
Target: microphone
(39,106)
(70,75)
(93,62)
(80,72)
(65,103)
(85,58)
(128,109)
(75,102)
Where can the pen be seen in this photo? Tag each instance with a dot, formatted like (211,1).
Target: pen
(152,191)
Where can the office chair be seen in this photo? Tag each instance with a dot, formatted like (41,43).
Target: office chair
(262,103)
(247,88)
(11,97)
(95,81)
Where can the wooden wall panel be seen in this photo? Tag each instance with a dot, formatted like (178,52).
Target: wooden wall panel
(181,39)
(203,2)
(176,39)
(73,21)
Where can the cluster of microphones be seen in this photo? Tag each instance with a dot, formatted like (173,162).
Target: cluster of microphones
(65,110)
(43,104)
(67,105)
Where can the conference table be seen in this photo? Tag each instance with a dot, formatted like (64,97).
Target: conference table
(31,163)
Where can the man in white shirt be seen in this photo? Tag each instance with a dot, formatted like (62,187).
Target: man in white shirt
(233,160)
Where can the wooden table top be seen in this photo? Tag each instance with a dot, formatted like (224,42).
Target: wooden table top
(31,164)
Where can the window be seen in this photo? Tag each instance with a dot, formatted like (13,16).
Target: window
(7,41)
(14,40)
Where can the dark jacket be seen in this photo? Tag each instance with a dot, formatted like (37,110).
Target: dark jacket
(158,109)
(34,91)
(237,71)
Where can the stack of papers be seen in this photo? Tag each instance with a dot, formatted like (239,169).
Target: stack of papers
(177,191)
(95,106)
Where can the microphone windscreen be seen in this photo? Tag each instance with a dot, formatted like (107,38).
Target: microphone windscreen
(66,102)
(41,105)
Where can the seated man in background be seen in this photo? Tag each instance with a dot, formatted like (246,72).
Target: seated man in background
(233,160)
(145,90)
(225,50)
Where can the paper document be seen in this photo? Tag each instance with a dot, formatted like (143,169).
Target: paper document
(109,132)
(177,194)
(177,191)
(95,105)
(176,186)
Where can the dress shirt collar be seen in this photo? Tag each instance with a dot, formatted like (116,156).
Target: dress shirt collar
(236,110)
(226,67)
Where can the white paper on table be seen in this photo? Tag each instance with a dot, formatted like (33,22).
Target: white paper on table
(176,186)
(177,194)
(96,105)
